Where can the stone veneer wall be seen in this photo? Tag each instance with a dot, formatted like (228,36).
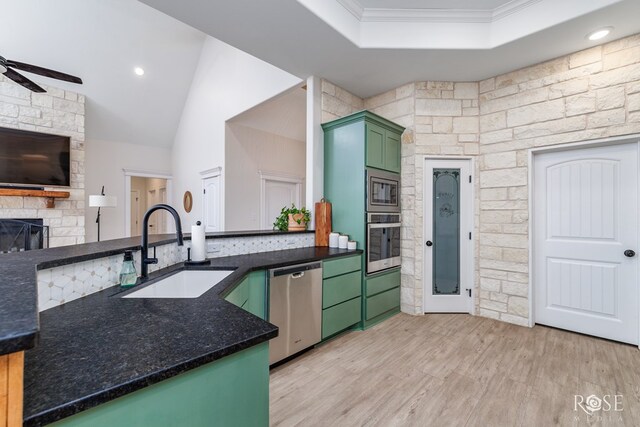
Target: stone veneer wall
(59,285)
(57,112)
(590,94)
(337,102)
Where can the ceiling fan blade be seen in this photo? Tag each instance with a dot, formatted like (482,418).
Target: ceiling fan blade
(44,72)
(23,81)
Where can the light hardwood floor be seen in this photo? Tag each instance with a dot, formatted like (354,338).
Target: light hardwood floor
(455,370)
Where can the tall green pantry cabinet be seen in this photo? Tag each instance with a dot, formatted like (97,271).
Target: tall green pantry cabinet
(352,144)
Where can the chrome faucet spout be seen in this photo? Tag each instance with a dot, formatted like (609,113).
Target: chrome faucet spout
(144,259)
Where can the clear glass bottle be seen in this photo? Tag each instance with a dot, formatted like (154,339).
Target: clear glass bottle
(128,274)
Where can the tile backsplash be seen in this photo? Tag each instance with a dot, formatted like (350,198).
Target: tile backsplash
(63,284)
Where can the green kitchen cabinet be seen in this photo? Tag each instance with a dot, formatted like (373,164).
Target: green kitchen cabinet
(381,296)
(341,294)
(382,148)
(351,145)
(375,146)
(250,293)
(231,392)
(392,154)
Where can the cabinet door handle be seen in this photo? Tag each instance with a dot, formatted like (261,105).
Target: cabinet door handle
(629,253)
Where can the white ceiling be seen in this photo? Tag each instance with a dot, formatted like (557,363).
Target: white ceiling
(289,35)
(101,42)
(284,115)
(433,4)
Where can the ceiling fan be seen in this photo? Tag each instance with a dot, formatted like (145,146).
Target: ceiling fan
(6,69)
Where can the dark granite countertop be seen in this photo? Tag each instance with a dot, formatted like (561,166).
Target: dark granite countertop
(101,347)
(18,280)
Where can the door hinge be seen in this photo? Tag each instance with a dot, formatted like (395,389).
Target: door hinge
(469,235)
(204,191)
(469,178)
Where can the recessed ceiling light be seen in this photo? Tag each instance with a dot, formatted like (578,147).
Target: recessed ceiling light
(139,71)
(599,33)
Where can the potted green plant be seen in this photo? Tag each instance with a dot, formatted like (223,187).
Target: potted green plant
(292,219)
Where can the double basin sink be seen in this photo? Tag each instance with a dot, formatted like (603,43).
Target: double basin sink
(183,284)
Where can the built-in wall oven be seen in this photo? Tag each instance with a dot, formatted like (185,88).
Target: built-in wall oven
(383,191)
(383,241)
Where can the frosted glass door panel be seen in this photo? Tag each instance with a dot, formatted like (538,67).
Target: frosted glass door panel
(446,232)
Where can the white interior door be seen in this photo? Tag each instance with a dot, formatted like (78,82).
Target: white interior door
(152,199)
(211,193)
(164,215)
(135,213)
(585,218)
(278,194)
(448,226)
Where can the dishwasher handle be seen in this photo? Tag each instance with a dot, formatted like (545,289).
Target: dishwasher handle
(294,270)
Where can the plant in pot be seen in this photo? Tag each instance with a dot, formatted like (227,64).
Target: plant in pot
(292,219)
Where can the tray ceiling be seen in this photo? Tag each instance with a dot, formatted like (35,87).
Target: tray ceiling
(323,38)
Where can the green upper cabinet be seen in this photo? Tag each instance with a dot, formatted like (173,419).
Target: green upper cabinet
(392,152)
(375,146)
(382,146)
(380,140)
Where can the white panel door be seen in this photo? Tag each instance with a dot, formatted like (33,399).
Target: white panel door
(585,218)
(211,192)
(155,218)
(278,194)
(135,213)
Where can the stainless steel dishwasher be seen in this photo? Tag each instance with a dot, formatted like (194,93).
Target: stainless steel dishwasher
(295,307)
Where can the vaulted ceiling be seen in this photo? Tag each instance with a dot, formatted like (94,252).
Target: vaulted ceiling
(369,46)
(101,42)
(365,46)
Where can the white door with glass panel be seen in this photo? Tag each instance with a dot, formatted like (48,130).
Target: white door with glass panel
(585,235)
(448,226)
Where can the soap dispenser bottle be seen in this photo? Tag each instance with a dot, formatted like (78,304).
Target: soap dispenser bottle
(128,274)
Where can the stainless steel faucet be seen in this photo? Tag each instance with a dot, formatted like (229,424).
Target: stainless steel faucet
(145,260)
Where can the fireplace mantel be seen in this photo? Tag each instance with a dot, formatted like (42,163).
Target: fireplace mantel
(51,196)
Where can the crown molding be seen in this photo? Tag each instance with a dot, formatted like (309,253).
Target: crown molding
(354,7)
(434,15)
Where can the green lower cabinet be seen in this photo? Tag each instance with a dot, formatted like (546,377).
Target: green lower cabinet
(257,303)
(230,392)
(381,303)
(341,294)
(240,294)
(250,293)
(340,317)
(382,297)
(341,288)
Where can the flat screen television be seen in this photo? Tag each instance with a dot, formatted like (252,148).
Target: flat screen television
(33,158)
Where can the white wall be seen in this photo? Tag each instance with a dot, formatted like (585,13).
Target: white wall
(249,151)
(104,164)
(227,82)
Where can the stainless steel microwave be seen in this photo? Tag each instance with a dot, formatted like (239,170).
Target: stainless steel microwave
(383,191)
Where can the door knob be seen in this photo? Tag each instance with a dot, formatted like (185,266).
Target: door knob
(629,253)
(429,243)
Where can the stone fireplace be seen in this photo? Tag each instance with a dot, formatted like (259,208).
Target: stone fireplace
(57,112)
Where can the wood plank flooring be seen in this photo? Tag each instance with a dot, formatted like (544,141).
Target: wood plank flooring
(456,370)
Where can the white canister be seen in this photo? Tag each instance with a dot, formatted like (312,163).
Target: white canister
(333,240)
(342,242)
(352,245)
